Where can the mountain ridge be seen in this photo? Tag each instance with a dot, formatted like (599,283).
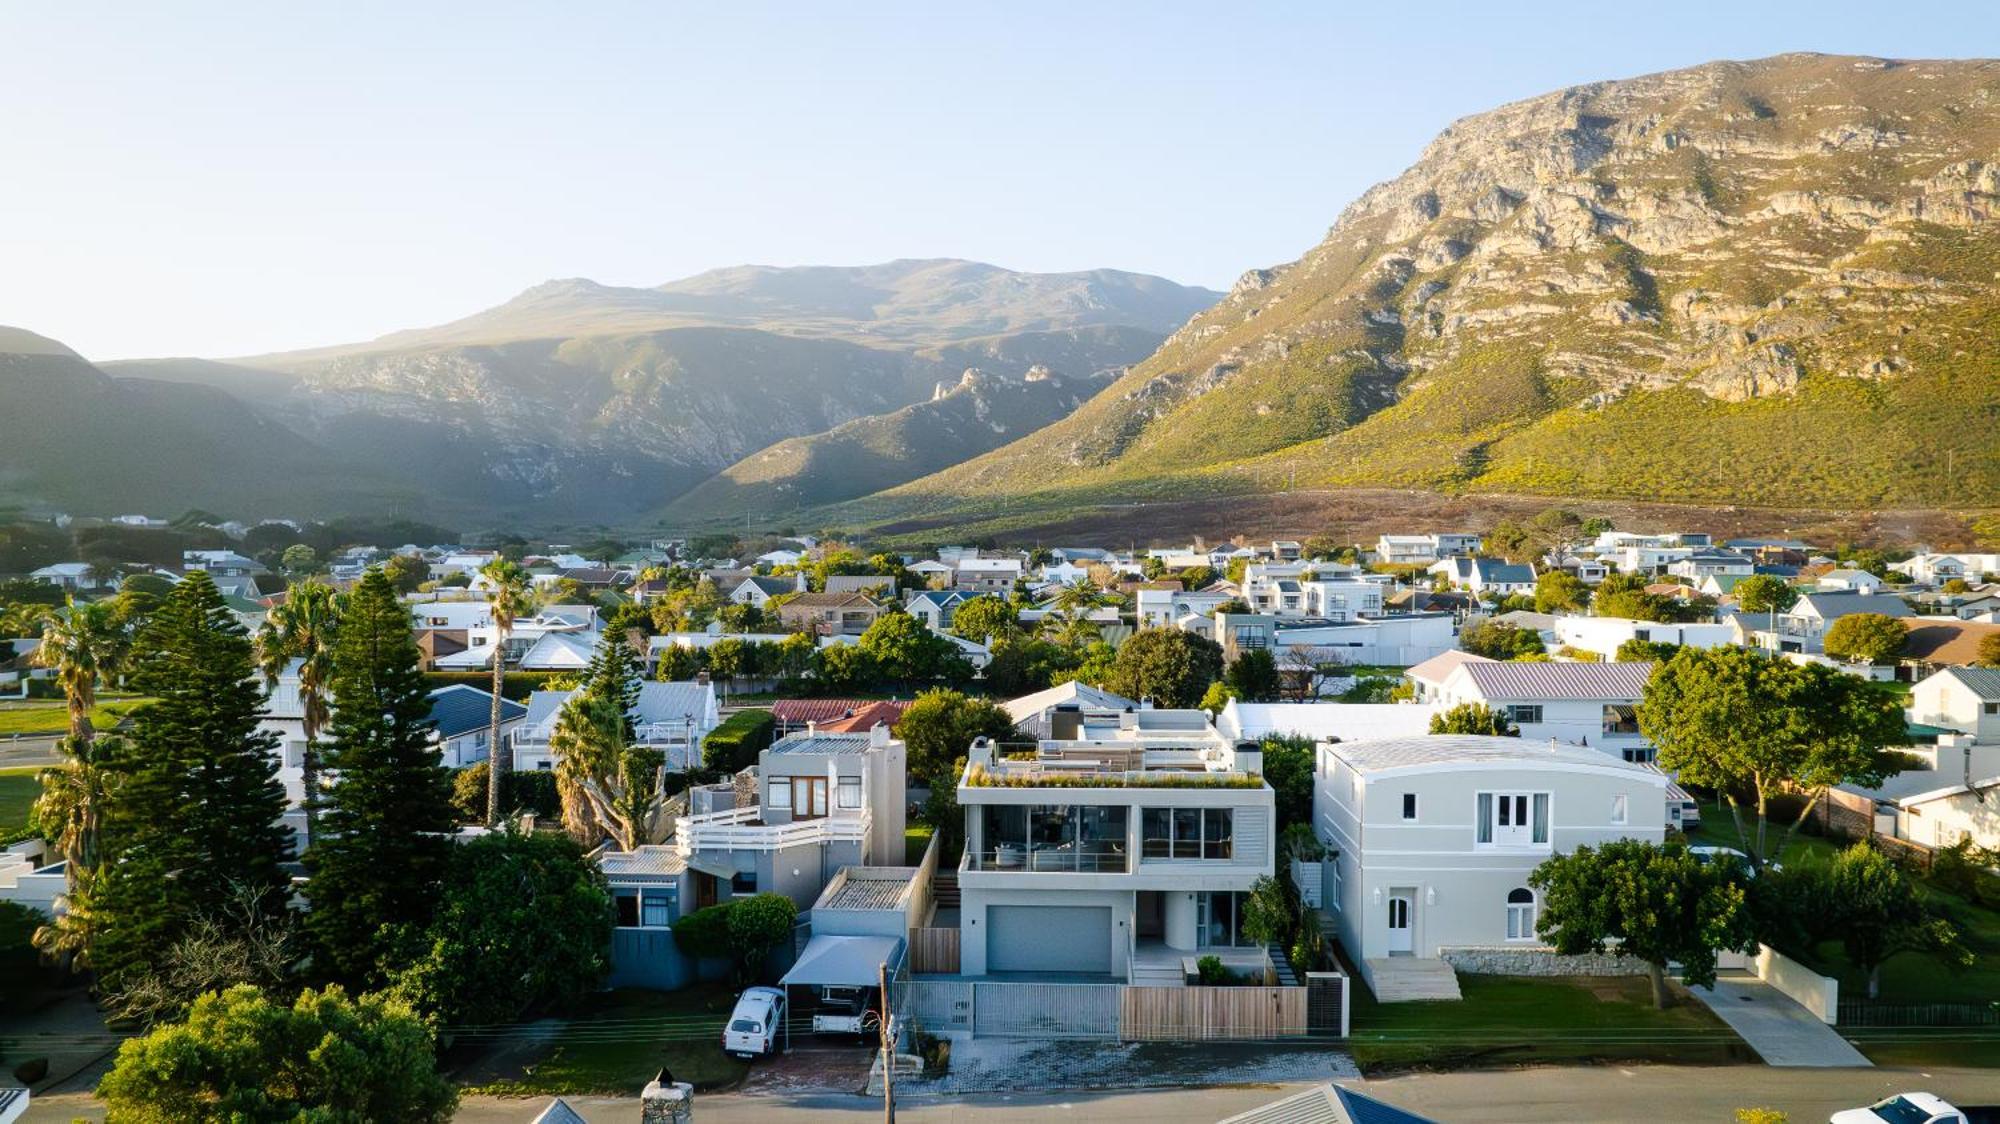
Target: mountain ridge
(1641,287)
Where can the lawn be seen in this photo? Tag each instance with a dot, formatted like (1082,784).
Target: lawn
(1513,1020)
(1718,829)
(53,718)
(613,1044)
(18,790)
(916,838)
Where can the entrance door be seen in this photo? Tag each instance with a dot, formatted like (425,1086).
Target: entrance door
(704,890)
(1402,936)
(808,798)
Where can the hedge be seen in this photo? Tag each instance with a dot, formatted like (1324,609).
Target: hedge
(520,684)
(734,745)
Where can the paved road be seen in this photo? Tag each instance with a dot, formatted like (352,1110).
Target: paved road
(1601,1095)
(1781,1031)
(20,752)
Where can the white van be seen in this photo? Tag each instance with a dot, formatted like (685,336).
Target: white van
(756,1023)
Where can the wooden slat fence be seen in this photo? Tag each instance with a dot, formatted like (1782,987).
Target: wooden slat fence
(934,951)
(1188,1014)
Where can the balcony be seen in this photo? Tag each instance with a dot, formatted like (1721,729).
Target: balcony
(742,829)
(1064,859)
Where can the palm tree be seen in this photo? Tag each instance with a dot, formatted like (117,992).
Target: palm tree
(511,598)
(1070,625)
(609,786)
(83,645)
(302,629)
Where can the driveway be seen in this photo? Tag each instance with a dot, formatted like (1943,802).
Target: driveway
(994,1065)
(1781,1031)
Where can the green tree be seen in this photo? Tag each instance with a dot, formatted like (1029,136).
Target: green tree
(406,572)
(1170,667)
(1756,728)
(1658,904)
(844,668)
(903,651)
(1270,911)
(1498,641)
(1197,577)
(742,931)
(1474,718)
(83,645)
(304,628)
(1879,913)
(939,726)
(1636,650)
(511,598)
(195,803)
(1559,591)
(375,871)
(613,674)
(679,663)
(984,618)
(1867,638)
(1767,594)
(299,559)
(1254,675)
(241,1057)
(609,786)
(1288,769)
(729,659)
(1024,664)
(523,921)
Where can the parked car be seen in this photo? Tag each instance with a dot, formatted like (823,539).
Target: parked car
(1706,854)
(1917,1108)
(755,1025)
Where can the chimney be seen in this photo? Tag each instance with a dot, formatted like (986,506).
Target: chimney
(666,1101)
(812,727)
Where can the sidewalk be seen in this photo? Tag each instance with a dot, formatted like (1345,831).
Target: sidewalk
(1781,1031)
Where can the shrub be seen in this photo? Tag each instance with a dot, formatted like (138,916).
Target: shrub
(533,791)
(1212,973)
(735,744)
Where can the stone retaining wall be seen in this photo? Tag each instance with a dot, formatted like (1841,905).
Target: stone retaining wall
(1531,960)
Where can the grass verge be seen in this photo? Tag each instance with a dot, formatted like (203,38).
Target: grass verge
(18,790)
(1511,1020)
(613,1043)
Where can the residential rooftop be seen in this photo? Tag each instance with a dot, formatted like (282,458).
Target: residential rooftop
(1420,751)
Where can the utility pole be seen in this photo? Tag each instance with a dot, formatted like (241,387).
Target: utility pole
(888,1048)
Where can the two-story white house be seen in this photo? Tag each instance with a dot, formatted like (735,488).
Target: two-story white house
(1431,841)
(1604,635)
(1122,849)
(1589,704)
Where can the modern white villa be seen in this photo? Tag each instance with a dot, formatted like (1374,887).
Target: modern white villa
(1119,850)
(1431,840)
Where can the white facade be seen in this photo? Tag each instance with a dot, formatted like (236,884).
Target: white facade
(1395,641)
(1966,699)
(1588,704)
(1604,635)
(1432,838)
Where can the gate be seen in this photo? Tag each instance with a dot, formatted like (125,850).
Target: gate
(1327,1004)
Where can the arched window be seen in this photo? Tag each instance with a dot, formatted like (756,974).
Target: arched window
(1520,914)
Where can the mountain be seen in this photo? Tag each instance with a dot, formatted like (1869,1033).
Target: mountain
(584,403)
(79,439)
(1765,283)
(907,302)
(977,413)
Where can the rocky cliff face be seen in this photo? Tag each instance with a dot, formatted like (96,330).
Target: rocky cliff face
(1769,282)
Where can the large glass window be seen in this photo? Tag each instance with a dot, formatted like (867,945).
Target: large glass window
(1525,714)
(1054,837)
(1219,919)
(1620,718)
(1217,828)
(1187,833)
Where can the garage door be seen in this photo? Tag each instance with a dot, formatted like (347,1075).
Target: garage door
(1035,938)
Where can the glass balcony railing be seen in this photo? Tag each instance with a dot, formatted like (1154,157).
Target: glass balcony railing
(1049,860)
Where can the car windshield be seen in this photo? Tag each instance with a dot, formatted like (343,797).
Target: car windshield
(1898,1110)
(746,1026)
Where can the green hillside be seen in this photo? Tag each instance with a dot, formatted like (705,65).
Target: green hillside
(1771,282)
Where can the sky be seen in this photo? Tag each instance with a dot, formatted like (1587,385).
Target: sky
(222,179)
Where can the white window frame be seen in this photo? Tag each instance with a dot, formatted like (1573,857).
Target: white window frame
(843,789)
(1521,916)
(1621,806)
(1339,885)
(1487,814)
(1516,715)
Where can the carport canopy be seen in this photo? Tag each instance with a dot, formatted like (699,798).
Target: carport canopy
(830,961)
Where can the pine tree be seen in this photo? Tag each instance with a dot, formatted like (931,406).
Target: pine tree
(386,830)
(194,817)
(613,675)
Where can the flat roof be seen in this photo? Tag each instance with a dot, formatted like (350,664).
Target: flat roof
(1384,754)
